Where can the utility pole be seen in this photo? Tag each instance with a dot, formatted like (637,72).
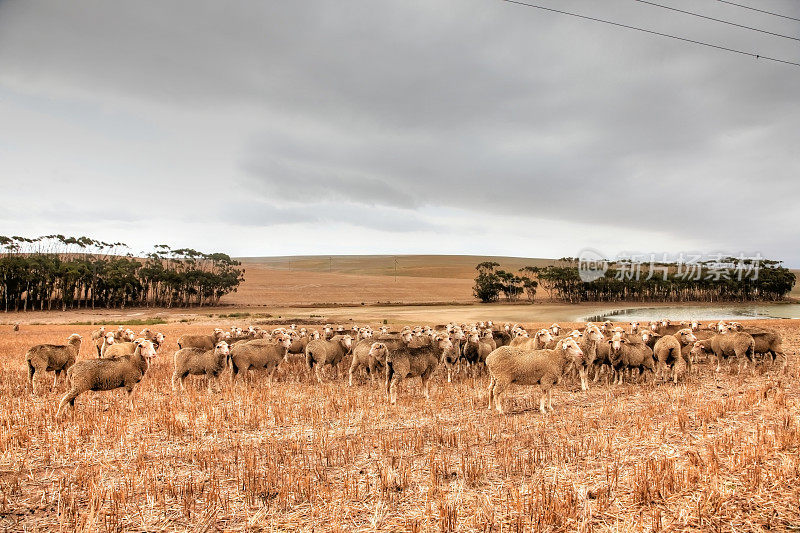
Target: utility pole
(395,269)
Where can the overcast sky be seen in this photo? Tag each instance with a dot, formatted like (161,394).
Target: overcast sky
(408,126)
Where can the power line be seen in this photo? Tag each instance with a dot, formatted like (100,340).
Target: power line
(718,47)
(760,10)
(717,20)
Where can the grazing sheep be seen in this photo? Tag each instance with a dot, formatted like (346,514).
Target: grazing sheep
(407,362)
(667,352)
(199,362)
(108,374)
(16,327)
(365,357)
(259,353)
(509,365)
(206,342)
(739,344)
(323,352)
(52,358)
(628,354)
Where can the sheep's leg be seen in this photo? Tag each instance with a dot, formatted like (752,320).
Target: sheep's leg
(69,398)
(183,383)
(550,399)
(55,379)
(492,383)
(542,400)
(130,397)
(584,381)
(499,388)
(175,382)
(272,375)
(393,391)
(318,372)
(353,368)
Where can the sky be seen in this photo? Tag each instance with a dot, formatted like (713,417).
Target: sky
(409,126)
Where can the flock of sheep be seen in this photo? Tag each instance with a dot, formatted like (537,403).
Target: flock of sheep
(509,353)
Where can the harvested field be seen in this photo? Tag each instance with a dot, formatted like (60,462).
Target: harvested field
(717,452)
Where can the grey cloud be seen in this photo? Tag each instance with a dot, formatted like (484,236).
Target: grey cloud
(483,106)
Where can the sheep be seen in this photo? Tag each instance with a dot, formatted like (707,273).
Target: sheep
(406,362)
(555,329)
(451,357)
(199,362)
(259,353)
(52,357)
(478,348)
(667,352)
(634,326)
(99,334)
(738,344)
(153,336)
(365,357)
(206,342)
(502,338)
(538,342)
(323,352)
(589,344)
(118,349)
(629,354)
(108,341)
(509,365)
(108,374)
(574,334)
(767,341)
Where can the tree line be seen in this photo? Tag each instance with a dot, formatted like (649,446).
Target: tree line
(59,272)
(659,282)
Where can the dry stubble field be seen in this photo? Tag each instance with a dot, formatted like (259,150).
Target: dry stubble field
(718,452)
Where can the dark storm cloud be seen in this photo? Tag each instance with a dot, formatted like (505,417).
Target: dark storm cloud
(477,105)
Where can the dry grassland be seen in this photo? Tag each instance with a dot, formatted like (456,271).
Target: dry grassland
(717,452)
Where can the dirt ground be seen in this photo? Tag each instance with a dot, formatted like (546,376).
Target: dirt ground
(717,452)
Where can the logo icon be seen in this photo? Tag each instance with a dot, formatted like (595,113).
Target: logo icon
(591,265)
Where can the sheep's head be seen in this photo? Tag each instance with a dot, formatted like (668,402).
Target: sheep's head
(285,341)
(314,335)
(474,337)
(594,334)
(634,327)
(407,336)
(110,339)
(616,341)
(573,351)
(735,326)
(146,350)
(648,334)
(160,337)
(554,329)
(695,325)
(222,348)
(444,343)
(129,335)
(665,322)
(145,332)
(686,336)
(102,329)
(74,338)
(365,333)
(576,334)
(654,326)
(698,348)
(379,351)
(347,341)
(384,330)
(723,329)
(339,329)
(543,336)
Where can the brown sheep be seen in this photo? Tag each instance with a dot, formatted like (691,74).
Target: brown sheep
(667,352)
(736,344)
(508,365)
(407,362)
(538,342)
(365,357)
(199,362)
(321,352)
(767,341)
(107,341)
(206,342)
(108,374)
(259,353)
(630,353)
(52,358)
(118,349)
